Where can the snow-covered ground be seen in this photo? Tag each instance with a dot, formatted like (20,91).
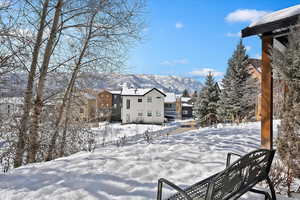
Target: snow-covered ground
(131,172)
(112,132)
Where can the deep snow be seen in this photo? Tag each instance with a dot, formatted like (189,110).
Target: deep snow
(131,172)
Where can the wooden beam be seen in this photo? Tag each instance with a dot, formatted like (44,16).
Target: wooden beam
(266,95)
(271,26)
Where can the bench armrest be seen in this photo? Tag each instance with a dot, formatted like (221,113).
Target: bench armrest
(229,158)
(178,189)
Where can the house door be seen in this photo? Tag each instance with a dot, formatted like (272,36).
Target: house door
(127,118)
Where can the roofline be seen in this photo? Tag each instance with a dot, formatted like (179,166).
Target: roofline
(268,28)
(156,90)
(145,93)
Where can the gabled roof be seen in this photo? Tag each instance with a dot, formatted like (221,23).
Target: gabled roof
(277,21)
(138,91)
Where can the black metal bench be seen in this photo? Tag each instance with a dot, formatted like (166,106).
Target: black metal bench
(231,183)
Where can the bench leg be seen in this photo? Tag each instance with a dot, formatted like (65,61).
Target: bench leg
(271,186)
(267,196)
(159,190)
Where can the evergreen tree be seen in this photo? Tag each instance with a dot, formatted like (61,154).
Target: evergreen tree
(231,104)
(287,69)
(205,107)
(185,93)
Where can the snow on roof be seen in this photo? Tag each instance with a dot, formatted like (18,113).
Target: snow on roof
(185,99)
(136,91)
(115,91)
(277,15)
(11,100)
(170,97)
(187,105)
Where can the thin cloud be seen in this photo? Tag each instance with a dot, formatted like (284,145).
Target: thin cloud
(205,71)
(182,61)
(245,15)
(179,25)
(238,34)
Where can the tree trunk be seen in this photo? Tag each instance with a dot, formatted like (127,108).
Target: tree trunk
(20,148)
(69,91)
(64,136)
(60,115)
(38,104)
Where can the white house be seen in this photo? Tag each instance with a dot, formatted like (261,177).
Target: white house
(142,106)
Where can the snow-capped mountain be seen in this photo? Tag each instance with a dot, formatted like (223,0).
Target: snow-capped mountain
(167,83)
(15,84)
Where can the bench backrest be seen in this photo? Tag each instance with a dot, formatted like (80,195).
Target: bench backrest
(242,174)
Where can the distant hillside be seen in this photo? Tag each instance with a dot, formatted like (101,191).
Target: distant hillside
(167,83)
(14,84)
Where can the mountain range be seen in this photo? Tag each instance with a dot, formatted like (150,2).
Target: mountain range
(15,84)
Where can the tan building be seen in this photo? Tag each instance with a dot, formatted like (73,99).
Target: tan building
(254,67)
(104,105)
(96,105)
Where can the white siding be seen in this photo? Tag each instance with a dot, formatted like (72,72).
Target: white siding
(155,107)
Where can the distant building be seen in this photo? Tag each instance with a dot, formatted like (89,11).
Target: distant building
(142,106)
(170,106)
(187,107)
(101,105)
(116,105)
(254,67)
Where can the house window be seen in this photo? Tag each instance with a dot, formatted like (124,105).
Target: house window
(140,100)
(158,113)
(140,114)
(149,99)
(158,97)
(115,105)
(149,114)
(8,109)
(128,103)
(81,110)
(185,112)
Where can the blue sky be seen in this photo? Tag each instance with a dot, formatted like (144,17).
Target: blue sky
(190,37)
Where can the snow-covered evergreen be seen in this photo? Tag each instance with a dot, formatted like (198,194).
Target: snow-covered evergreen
(232,104)
(205,107)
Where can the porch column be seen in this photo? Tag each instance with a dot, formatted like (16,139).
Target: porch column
(266,95)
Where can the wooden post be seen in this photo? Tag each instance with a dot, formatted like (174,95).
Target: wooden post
(266,95)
